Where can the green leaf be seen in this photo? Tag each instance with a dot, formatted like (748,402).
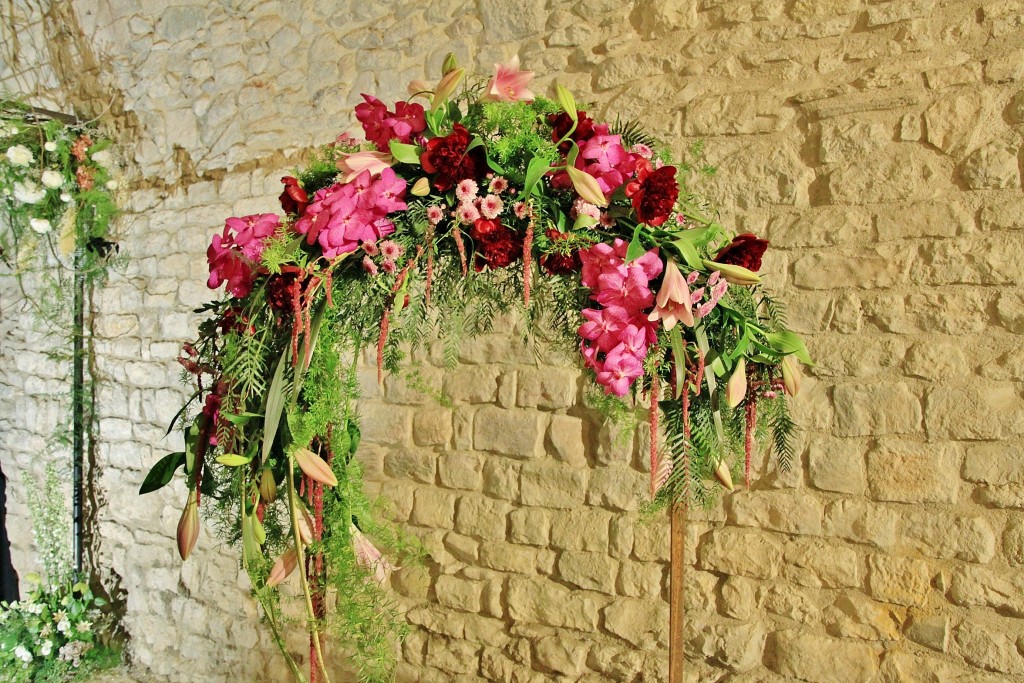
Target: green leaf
(689,253)
(354,435)
(232,460)
(477,141)
(181,411)
(583,221)
(679,356)
(534,172)
(240,418)
(162,472)
(567,101)
(495,166)
(636,248)
(275,405)
(406,154)
(786,342)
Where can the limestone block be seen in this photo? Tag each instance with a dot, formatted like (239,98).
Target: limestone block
(737,551)
(937,219)
(616,663)
(737,114)
(1013,541)
(501,478)
(953,123)
(513,433)
(895,175)
(990,649)
(733,645)
(876,409)
(930,630)
(477,384)
(547,388)
(530,526)
(460,470)
(910,472)
(432,426)
(906,666)
(817,563)
(1005,214)
(899,580)
(982,587)
(651,540)
(582,529)
(433,508)
(974,412)
(638,622)
(819,226)
(881,269)
(620,537)
(992,167)
(557,486)
(846,138)
(459,594)
(1011,496)
(508,557)
(484,630)
(855,616)
(385,424)
(661,17)
(640,580)
(944,536)
(810,10)
(462,548)
(561,654)
(589,571)
(947,77)
(411,465)
(412,581)
(551,604)
(627,69)
(482,517)
(453,656)
(819,659)
(837,466)
(778,511)
(565,436)
(504,22)
(617,488)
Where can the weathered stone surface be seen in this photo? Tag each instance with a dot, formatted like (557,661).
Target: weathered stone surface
(638,622)
(929,630)
(1013,541)
(483,517)
(735,646)
(551,604)
(979,586)
(899,580)
(992,167)
(855,616)
(817,563)
(876,409)
(530,526)
(589,571)
(547,387)
(459,594)
(837,466)
(990,649)
(557,486)
(779,511)
(909,472)
(738,114)
(933,219)
(514,433)
(581,530)
(972,412)
(891,177)
(819,659)
(944,536)
(561,654)
(951,123)
(735,551)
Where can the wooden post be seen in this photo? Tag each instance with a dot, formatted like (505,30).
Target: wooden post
(676,656)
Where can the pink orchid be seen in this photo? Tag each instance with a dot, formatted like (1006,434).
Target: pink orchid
(233,255)
(369,557)
(351,165)
(620,369)
(509,83)
(603,327)
(626,287)
(673,301)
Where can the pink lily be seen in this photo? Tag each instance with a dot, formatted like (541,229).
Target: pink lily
(673,301)
(509,83)
(369,557)
(351,165)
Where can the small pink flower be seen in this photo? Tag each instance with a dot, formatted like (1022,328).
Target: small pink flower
(467,213)
(582,207)
(370,248)
(620,369)
(388,266)
(692,277)
(509,83)
(606,220)
(391,250)
(466,190)
(369,266)
(642,150)
(435,214)
(491,206)
(521,210)
(498,184)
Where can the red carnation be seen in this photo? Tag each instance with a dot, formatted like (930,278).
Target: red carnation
(497,246)
(446,157)
(562,122)
(653,193)
(745,250)
(294,199)
(560,264)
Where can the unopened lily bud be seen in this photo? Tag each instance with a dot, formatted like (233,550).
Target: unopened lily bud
(586,186)
(268,487)
(723,475)
(734,275)
(188,526)
(736,388)
(449,65)
(790,375)
(305,526)
(315,467)
(421,188)
(283,567)
(446,87)
(418,88)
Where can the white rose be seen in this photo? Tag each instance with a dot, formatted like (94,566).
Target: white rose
(52,179)
(50,146)
(40,225)
(28,192)
(111,184)
(46,649)
(20,155)
(102,158)
(65,197)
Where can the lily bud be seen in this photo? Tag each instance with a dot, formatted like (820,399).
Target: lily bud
(586,186)
(305,526)
(418,88)
(735,275)
(790,375)
(449,65)
(315,467)
(421,188)
(268,487)
(723,475)
(446,87)
(188,526)
(736,388)
(283,567)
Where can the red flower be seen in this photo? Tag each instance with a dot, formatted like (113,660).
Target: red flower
(382,126)
(561,123)
(497,246)
(745,250)
(294,199)
(560,264)
(653,193)
(446,157)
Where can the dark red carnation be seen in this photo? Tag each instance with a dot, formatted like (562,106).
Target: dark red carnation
(745,250)
(281,291)
(653,193)
(497,246)
(294,199)
(447,159)
(560,264)
(562,122)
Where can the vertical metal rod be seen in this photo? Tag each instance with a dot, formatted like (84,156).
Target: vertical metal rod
(78,413)
(676,607)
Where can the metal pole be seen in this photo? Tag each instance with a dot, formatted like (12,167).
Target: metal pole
(676,656)
(78,411)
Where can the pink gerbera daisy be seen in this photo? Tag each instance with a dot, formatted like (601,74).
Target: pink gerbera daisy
(467,213)
(466,190)
(434,214)
(390,250)
(491,206)
(498,184)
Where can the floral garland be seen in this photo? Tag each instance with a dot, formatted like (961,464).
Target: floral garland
(481,199)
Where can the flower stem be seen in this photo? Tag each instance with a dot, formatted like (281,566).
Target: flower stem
(301,564)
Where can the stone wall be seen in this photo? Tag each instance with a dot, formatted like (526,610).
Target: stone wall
(877,144)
